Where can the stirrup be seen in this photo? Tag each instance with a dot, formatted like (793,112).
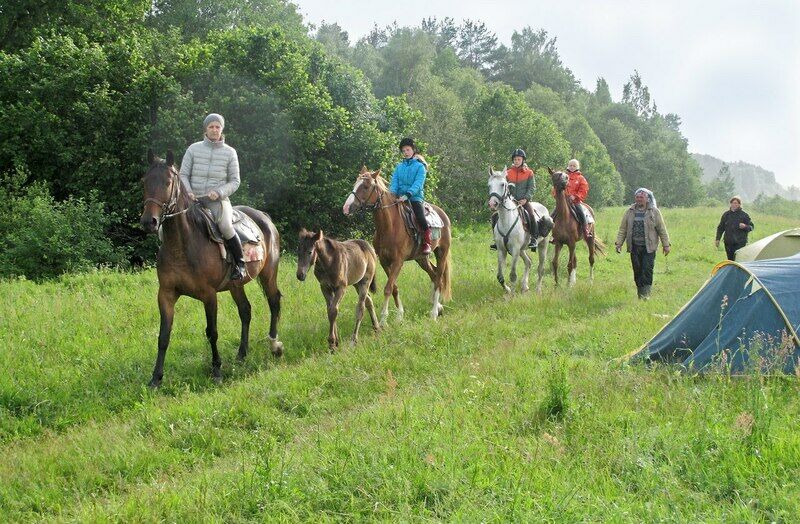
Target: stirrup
(238,270)
(493,246)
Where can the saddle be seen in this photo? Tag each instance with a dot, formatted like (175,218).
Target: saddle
(541,221)
(434,221)
(248,232)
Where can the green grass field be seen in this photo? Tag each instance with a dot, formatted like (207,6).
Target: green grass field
(510,408)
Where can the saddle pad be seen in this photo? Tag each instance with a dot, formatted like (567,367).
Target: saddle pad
(433,218)
(243,225)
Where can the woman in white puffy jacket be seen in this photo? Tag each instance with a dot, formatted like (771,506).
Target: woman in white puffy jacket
(210,168)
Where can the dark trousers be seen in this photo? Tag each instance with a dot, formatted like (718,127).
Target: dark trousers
(643,263)
(730,249)
(419,213)
(533,226)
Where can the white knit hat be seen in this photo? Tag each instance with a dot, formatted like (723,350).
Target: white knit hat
(214,117)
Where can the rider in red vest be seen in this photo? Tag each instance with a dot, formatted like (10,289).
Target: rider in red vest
(577,190)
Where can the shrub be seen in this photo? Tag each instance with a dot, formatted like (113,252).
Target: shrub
(41,238)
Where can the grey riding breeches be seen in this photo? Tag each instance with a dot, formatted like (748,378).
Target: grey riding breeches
(223,216)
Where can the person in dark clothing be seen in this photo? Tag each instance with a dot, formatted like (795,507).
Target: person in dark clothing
(735,224)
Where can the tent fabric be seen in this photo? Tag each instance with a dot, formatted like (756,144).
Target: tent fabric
(782,244)
(744,315)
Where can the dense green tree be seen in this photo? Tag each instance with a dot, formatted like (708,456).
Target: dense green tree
(533,57)
(722,187)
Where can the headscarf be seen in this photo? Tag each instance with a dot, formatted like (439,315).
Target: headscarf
(650,197)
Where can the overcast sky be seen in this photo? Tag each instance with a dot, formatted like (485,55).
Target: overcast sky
(730,69)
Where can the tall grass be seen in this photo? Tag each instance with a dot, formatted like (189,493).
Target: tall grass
(439,421)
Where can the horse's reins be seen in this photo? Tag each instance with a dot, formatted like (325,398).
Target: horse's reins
(502,199)
(168,208)
(364,207)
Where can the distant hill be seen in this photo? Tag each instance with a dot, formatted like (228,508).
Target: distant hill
(750,180)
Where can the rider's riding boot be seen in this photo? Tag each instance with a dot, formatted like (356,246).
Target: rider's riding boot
(234,246)
(426,242)
(534,234)
(494,223)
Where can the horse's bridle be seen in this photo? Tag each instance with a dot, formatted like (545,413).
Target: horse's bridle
(362,204)
(168,207)
(502,198)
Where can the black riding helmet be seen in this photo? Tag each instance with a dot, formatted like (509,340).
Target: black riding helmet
(519,152)
(407,141)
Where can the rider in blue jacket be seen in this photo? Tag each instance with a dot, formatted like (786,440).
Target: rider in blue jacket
(408,183)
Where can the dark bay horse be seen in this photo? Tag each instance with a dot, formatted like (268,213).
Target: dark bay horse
(189,263)
(567,230)
(394,245)
(336,266)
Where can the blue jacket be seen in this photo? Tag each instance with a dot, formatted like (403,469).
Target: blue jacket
(409,179)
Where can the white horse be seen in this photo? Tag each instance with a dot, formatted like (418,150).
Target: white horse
(510,235)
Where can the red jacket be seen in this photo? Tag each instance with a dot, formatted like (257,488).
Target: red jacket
(577,186)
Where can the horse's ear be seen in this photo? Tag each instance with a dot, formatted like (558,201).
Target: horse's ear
(491,170)
(376,174)
(363,169)
(303,232)
(151,157)
(318,236)
(170,157)
(550,170)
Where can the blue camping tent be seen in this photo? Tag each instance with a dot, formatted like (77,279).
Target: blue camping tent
(743,311)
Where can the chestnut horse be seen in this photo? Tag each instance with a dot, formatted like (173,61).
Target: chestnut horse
(567,230)
(336,266)
(394,245)
(189,263)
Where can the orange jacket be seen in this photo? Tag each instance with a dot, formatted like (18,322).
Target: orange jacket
(577,186)
(522,178)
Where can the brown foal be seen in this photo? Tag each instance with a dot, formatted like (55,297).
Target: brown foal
(336,266)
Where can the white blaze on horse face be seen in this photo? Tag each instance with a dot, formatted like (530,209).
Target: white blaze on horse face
(350,199)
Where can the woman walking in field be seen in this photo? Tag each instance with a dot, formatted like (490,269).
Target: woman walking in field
(641,229)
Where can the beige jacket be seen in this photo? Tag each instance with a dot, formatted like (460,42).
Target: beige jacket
(654,229)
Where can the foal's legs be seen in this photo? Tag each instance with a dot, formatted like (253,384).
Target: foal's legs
(166,309)
(210,304)
(333,297)
(243,305)
(363,292)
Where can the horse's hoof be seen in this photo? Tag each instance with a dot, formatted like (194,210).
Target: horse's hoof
(241,355)
(441,310)
(277,348)
(217,379)
(154,384)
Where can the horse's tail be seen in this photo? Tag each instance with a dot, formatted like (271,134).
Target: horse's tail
(599,246)
(446,272)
